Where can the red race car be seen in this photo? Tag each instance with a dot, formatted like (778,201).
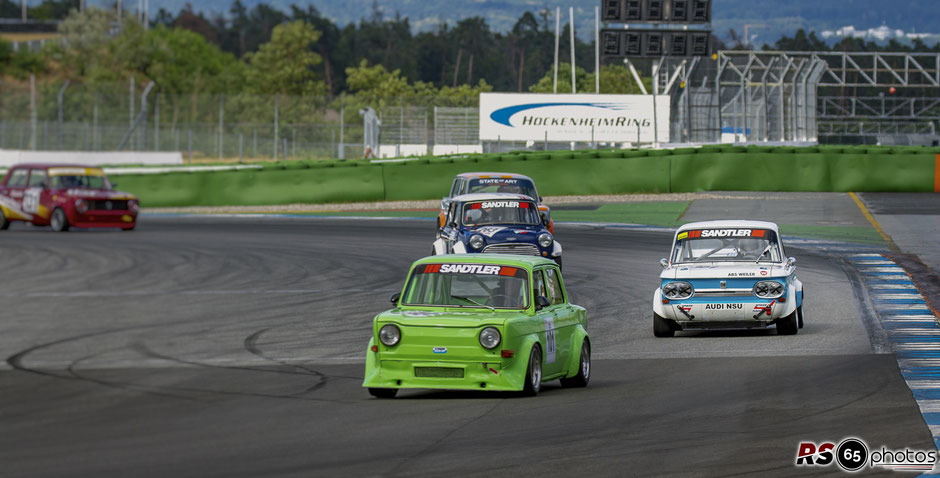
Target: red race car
(63,196)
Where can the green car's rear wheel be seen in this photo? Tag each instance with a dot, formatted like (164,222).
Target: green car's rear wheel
(533,375)
(584,372)
(383,392)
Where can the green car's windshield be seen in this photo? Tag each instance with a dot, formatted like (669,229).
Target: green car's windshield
(727,245)
(468,285)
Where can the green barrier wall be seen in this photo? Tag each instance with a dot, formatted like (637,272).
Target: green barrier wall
(257,187)
(712,168)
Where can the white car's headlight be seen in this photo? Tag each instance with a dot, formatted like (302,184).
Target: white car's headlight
(768,289)
(490,338)
(677,290)
(545,240)
(389,334)
(476,241)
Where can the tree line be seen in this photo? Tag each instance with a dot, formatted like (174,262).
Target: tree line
(263,51)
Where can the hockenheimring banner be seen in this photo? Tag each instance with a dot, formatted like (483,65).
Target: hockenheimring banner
(582,118)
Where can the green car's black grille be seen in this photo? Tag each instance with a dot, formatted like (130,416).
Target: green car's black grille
(438,372)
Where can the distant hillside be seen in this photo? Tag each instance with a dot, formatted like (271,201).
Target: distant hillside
(779,17)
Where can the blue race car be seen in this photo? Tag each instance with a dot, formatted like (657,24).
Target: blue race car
(496,223)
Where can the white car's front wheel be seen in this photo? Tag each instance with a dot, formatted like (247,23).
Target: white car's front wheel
(662,327)
(788,325)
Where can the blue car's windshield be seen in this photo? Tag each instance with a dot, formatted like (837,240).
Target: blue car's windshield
(503,185)
(468,285)
(482,213)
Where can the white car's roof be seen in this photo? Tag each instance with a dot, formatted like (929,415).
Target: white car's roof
(492,197)
(729,224)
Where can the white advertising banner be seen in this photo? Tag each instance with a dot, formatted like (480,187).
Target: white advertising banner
(583,118)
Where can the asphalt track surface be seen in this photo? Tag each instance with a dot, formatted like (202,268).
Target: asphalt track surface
(233,347)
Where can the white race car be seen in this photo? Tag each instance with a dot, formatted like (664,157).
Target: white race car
(727,274)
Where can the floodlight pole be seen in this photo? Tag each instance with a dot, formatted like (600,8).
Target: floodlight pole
(557,33)
(597,50)
(573,82)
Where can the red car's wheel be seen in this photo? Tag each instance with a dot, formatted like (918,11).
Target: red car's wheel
(59,221)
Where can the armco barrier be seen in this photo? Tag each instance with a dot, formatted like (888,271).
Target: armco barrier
(715,168)
(9,157)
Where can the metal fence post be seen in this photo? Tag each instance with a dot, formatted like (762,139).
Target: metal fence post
(60,100)
(342,125)
(275,126)
(221,124)
(156,122)
(33,114)
(190,145)
(241,144)
(94,128)
(130,122)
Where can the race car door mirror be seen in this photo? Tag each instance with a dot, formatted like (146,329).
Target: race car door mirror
(791,261)
(544,219)
(541,302)
(663,262)
(395,297)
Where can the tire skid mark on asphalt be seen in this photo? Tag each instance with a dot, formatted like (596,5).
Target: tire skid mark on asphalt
(398,469)
(911,327)
(125,386)
(251,345)
(16,361)
(147,293)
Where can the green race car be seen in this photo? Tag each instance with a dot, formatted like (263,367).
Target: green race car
(479,322)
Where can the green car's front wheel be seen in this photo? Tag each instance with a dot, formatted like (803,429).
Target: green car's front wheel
(584,372)
(383,392)
(533,375)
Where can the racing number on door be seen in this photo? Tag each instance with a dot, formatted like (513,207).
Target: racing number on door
(549,340)
(31,200)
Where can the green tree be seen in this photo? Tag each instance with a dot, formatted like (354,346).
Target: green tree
(87,36)
(285,64)
(614,80)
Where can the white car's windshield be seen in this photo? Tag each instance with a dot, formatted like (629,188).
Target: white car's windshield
(483,213)
(502,185)
(468,285)
(737,245)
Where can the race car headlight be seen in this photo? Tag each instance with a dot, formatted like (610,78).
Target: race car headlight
(81,205)
(677,290)
(768,289)
(490,338)
(476,241)
(389,334)
(545,240)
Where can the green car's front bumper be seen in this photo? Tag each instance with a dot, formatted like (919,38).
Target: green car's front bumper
(383,370)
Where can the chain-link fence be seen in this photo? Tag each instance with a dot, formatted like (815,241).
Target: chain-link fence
(134,117)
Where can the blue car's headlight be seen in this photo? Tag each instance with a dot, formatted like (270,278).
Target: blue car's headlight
(769,289)
(476,241)
(677,290)
(545,240)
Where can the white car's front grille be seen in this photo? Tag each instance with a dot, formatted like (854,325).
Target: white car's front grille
(724,293)
(524,249)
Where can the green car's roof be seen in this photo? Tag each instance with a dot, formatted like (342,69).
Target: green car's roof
(526,262)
